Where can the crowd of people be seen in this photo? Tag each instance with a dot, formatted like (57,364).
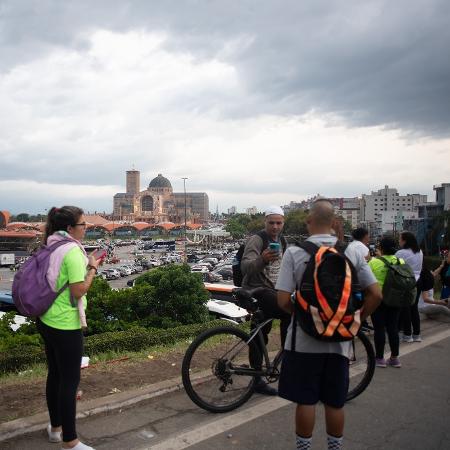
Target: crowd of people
(315,365)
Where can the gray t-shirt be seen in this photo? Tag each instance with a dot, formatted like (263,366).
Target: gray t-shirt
(292,268)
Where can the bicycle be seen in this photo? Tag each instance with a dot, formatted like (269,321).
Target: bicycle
(229,380)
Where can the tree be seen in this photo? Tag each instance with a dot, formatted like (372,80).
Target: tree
(295,222)
(237,225)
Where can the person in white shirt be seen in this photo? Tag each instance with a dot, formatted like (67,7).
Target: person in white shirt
(412,255)
(359,245)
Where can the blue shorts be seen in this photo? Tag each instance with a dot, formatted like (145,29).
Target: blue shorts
(307,378)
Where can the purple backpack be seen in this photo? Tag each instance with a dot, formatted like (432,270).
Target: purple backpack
(31,291)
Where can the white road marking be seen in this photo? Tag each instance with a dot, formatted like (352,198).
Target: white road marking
(232,420)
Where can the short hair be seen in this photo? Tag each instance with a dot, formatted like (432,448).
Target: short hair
(359,234)
(410,241)
(388,245)
(322,212)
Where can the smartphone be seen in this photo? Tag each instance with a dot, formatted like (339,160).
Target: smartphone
(274,247)
(99,254)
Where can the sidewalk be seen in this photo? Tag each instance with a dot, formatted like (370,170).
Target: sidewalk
(106,405)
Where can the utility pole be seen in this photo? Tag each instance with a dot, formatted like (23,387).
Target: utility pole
(185,219)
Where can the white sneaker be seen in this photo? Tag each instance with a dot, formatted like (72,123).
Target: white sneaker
(407,338)
(417,338)
(53,436)
(81,446)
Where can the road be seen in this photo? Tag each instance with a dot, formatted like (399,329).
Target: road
(405,408)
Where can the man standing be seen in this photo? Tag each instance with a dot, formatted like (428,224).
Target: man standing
(260,266)
(359,244)
(315,370)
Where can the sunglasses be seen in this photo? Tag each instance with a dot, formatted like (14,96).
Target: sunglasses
(82,224)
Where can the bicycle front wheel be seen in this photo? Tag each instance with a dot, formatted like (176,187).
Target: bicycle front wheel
(216,372)
(362,365)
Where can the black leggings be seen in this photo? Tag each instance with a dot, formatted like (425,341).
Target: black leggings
(267,301)
(410,315)
(385,319)
(64,349)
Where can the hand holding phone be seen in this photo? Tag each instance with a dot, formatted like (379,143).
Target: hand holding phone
(99,254)
(274,247)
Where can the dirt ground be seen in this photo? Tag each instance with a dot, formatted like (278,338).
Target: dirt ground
(24,397)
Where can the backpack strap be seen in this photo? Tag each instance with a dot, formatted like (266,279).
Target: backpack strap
(385,261)
(308,246)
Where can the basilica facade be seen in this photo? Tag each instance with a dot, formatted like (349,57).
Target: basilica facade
(158,203)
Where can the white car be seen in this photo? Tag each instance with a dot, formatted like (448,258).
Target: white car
(227,310)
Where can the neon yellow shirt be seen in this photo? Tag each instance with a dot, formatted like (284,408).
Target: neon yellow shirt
(379,269)
(62,315)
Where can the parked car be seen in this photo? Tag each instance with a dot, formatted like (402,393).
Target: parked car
(200,269)
(111,274)
(211,277)
(6,301)
(226,272)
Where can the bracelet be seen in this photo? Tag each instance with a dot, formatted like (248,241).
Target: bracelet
(89,267)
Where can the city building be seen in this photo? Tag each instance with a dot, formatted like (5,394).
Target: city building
(232,210)
(251,211)
(388,199)
(158,203)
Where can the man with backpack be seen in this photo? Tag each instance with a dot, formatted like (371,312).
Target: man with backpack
(315,363)
(260,265)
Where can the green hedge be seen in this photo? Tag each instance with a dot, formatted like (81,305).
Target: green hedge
(135,339)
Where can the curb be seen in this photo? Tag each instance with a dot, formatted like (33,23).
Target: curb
(37,422)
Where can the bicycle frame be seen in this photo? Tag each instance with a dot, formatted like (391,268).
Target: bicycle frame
(268,365)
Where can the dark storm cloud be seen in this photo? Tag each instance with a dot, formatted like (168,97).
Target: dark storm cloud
(372,63)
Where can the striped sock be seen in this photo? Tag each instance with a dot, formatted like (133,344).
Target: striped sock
(303,443)
(334,443)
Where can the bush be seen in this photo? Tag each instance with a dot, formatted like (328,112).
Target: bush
(176,296)
(134,339)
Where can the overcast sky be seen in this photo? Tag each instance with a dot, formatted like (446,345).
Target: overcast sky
(256,102)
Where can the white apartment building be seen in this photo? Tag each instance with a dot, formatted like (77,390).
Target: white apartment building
(388,199)
(251,211)
(391,222)
(232,210)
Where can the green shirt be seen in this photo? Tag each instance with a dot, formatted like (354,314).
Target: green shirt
(62,315)
(379,269)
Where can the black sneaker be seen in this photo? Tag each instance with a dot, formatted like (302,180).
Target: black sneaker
(261,387)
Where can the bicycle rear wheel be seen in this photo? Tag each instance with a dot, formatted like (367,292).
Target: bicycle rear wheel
(362,365)
(216,372)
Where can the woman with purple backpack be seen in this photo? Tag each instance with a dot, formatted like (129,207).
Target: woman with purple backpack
(61,325)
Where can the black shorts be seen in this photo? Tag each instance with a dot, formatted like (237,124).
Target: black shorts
(307,378)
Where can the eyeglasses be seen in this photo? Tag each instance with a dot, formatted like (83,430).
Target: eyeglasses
(82,224)
(275,223)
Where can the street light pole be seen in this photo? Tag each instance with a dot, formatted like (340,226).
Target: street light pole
(185,219)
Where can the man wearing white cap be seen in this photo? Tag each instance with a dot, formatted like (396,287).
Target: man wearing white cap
(260,266)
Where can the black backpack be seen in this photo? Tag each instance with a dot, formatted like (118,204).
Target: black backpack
(399,288)
(238,276)
(328,299)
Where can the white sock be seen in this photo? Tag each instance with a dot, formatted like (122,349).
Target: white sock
(334,443)
(303,443)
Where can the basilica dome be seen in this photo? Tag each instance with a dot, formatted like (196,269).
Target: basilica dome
(160,182)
